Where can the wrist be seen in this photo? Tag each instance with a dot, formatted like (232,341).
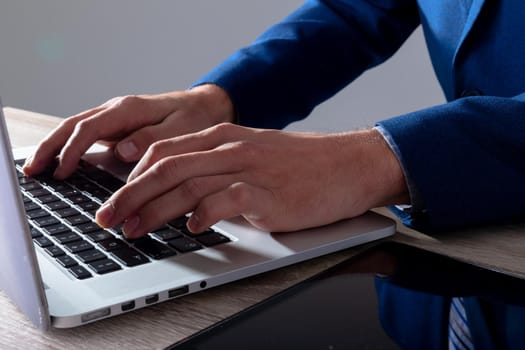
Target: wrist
(215,101)
(390,182)
(382,180)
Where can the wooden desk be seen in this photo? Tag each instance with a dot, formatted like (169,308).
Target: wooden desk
(160,325)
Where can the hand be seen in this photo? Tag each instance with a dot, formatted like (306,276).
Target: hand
(131,124)
(278,181)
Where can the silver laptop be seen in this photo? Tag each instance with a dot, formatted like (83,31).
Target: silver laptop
(63,271)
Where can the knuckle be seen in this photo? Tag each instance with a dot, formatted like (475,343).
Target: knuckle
(156,149)
(157,146)
(222,129)
(243,149)
(84,127)
(166,168)
(192,189)
(69,123)
(239,195)
(127,101)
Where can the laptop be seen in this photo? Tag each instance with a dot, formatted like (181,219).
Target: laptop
(62,270)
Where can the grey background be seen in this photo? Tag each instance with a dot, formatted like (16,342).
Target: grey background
(61,56)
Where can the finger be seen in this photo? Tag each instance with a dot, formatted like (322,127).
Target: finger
(241,198)
(50,146)
(133,147)
(196,142)
(174,203)
(164,176)
(123,116)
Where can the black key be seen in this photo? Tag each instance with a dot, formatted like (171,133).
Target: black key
(76,199)
(100,194)
(31,186)
(40,192)
(84,185)
(66,261)
(129,257)
(153,248)
(54,251)
(88,206)
(47,199)
(88,256)
(37,213)
(77,220)
(46,221)
(118,230)
(179,223)
(31,206)
(112,244)
(67,212)
(112,184)
(167,234)
(23,180)
(80,272)
(34,232)
(69,237)
(56,229)
(58,186)
(78,246)
(99,235)
(49,181)
(104,266)
(26,199)
(88,227)
(211,239)
(184,244)
(162,228)
(57,206)
(68,191)
(43,241)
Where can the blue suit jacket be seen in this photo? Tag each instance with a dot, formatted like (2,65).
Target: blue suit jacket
(464,159)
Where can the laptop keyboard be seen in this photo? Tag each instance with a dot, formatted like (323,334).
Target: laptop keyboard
(61,219)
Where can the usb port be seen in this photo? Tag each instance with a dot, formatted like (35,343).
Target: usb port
(152,299)
(130,305)
(177,291)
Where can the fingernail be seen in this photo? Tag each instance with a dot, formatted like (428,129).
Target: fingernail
(27,162)
(104,214)
(127,149)
(193,223)
(130,225)
(26,167)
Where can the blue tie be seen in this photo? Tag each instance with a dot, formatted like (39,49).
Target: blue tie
(459,337)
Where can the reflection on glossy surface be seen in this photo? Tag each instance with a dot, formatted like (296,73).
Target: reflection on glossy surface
(390,297)
(414,302)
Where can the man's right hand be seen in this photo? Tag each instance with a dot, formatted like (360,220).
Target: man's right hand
(131,124)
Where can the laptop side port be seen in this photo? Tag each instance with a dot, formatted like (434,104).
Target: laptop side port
(172,293)
(152,299)
(129,305)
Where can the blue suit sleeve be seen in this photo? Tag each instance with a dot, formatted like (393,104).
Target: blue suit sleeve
(466,160)
(309,56)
